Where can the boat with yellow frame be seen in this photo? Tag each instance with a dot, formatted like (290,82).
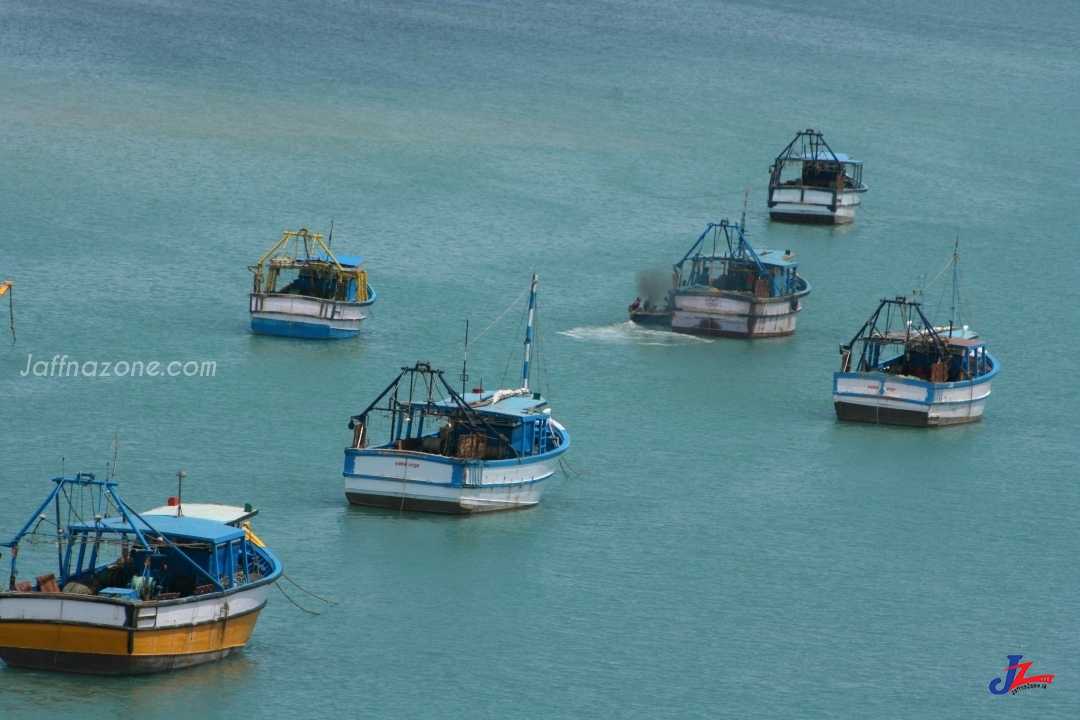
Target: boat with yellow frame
(303,290)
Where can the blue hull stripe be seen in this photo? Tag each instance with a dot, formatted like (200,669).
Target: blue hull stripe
(310,331)
(909,401)
(408,481)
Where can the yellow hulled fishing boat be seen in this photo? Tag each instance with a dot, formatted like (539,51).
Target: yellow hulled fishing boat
(132,593)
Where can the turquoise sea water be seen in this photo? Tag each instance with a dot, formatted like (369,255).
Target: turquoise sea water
(731,550)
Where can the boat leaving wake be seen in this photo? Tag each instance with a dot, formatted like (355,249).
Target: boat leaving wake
(630,333)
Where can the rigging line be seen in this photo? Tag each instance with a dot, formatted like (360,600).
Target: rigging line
(967,303)
(332,602)
(542,359)
(940,302)
(927,286)
(513,346)
(562,458)
(508,309)
(309,612)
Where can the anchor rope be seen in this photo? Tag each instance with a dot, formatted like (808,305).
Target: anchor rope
(309,612)
(562,459)
(317,597)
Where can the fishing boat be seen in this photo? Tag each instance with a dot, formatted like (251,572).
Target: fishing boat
(901,369)
(132,593)
(303,290)
(809,183)
(647,312)
(454,452)
(741,292)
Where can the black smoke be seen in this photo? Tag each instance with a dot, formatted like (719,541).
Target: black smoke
(653,285)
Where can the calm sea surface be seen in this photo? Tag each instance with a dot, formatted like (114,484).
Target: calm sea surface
(730,550)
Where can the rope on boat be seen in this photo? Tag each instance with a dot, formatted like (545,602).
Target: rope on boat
(513,347)
(508,309)
(562,459)
(309,612)
(317,597)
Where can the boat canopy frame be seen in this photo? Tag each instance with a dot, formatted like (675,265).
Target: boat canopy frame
(739,254)
(304,250)
(809,147)
(402,413)
(103,497)
(919,337)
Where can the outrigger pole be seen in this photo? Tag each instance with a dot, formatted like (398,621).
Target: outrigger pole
(5,289)
(528,336)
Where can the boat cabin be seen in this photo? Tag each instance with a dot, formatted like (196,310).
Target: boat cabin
(809,162)
(742,269)
(937,355)
(826,171)
(952,360)
(187,556)
(480,425)
(301,264)
(132,557)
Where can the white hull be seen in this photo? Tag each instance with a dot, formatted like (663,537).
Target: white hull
(813,205)
(873,397)
(728,314)
(417,481)
(301,316)
(107,613)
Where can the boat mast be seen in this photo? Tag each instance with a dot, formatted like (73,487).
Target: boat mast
(528,336)
(955,286)
(465,362)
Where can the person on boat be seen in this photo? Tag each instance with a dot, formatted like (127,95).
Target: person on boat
(636,305)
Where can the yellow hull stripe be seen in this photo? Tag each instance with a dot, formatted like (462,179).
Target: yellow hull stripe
(208,637)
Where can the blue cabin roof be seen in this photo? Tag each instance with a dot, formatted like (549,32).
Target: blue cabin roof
(513,408)
(829,158)
(343,260)
(770,258)
(182,527)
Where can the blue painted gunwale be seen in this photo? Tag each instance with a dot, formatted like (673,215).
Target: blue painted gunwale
(459,464)
(930,387)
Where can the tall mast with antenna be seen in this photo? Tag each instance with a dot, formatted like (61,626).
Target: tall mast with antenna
(955,285)
(528,335)
(465,362)
(116,449)
(180,475)
(746,199)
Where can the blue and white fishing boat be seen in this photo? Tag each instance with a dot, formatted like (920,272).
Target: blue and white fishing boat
(900,369)
(743,292)
(131,593)
(455,452)
(303,290)
(809,183)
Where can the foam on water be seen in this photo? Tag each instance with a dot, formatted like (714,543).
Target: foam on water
(631,333)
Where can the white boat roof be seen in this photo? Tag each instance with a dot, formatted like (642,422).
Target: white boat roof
(226,514)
